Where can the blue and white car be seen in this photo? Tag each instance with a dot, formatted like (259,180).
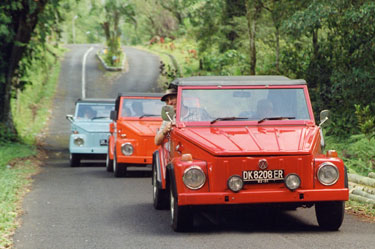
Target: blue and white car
(90,129)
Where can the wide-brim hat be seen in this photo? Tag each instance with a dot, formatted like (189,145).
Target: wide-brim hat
(168,92)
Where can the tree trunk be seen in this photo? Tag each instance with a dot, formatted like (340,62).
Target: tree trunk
(277,61)
(253,9)
(315,43)
(24,21)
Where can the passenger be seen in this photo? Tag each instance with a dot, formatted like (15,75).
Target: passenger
(194,114)
(86,112)
(170,98)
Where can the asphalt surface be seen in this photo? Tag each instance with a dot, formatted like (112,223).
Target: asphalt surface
(86,207)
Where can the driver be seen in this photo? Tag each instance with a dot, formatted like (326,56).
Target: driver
(264,109)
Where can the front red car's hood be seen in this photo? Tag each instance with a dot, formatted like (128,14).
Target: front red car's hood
(228,141)
(142,127)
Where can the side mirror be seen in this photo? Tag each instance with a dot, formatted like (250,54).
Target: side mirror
(69,117)
(323,117)
(113,115)
(168,113)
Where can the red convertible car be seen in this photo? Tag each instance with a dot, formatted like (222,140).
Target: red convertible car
(246,140)
(136,119)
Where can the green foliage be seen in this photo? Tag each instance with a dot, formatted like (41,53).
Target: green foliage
(35,98)
(6,136)
(357,151)
(229,62)
(366,120)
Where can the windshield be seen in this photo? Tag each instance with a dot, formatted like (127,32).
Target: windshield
(94,110)
(243,104)
(141,107)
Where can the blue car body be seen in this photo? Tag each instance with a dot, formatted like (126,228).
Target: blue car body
(89,129)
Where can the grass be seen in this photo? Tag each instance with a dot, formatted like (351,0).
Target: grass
(14,177)
(18,162)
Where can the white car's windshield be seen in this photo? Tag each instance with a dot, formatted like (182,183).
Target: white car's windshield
(92,111)
(243,104)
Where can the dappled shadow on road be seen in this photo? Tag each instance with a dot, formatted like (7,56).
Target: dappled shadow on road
(213,220)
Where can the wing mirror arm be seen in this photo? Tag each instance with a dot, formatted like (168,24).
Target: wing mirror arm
(168,113)
(323,117)
(323,121)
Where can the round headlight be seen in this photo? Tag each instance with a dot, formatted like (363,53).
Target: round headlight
(194,177)
(292,181)
(127,149)
(328,174)
(79,141)
(235,183)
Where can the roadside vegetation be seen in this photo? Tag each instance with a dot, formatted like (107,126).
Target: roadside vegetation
(331,45)
(20,158)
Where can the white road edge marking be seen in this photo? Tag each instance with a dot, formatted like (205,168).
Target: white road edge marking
(84,72)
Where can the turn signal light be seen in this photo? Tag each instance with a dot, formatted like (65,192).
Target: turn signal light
(186,157)
(332,153)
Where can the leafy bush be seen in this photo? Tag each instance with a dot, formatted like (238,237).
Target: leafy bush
(357,151)
(5,135)
(231,62)
(366,121)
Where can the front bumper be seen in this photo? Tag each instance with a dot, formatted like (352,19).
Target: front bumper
(88,150)
(269,196)
(143,160)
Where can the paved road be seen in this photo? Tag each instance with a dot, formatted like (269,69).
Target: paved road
(87,207)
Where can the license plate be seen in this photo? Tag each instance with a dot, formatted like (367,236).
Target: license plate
(103,142)
(263,176)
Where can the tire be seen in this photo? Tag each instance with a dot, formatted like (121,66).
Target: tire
(330,214)
(119,169)
(181,216)
(160,196)
(108,163)
(75,160)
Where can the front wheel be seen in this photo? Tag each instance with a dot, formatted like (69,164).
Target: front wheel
(330,214)
(75,160)
(119,169)
(181,216)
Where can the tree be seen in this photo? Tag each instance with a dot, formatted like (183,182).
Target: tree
(18,22)
(114,12)
(253,10)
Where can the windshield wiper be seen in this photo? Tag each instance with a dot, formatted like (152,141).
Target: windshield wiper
(274,118)
(226,119)
(148,115)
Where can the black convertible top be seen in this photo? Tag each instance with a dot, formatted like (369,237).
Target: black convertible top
(96,100)
(140,94)
(258,80)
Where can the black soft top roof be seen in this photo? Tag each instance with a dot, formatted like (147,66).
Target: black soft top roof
(140,94)
(96,100)
(258,80)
